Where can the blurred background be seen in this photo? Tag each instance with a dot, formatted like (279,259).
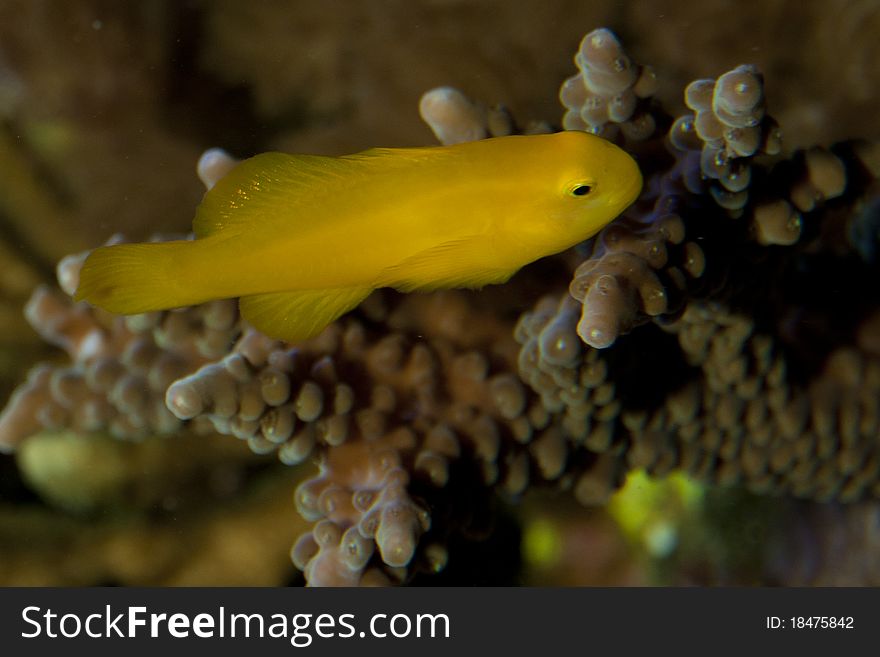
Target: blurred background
(105,108)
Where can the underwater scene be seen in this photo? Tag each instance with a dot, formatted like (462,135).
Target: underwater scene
(439,292)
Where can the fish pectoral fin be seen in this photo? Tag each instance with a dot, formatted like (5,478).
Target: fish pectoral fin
(447,265)
(300,315)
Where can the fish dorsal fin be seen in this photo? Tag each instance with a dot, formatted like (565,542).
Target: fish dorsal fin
(286,188)
(402,155)
(441,266)
(300,315)
(269,187)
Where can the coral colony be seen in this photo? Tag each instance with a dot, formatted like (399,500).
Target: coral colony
(702,332)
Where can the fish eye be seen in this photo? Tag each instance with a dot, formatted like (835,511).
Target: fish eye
(581,190)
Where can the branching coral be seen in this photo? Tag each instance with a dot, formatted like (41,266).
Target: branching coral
(120,367)
(701,332)
(381,407)
(609,93)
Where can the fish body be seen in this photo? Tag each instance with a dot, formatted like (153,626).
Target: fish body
(301,239)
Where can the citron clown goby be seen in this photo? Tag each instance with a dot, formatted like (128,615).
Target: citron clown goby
(302,239)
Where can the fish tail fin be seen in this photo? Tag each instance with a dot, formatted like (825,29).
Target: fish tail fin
(126,279)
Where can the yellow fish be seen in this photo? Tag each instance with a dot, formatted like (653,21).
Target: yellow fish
(303,239)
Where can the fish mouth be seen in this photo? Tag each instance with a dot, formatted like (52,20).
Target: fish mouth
(625,175)
(635,189)
(631,189)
